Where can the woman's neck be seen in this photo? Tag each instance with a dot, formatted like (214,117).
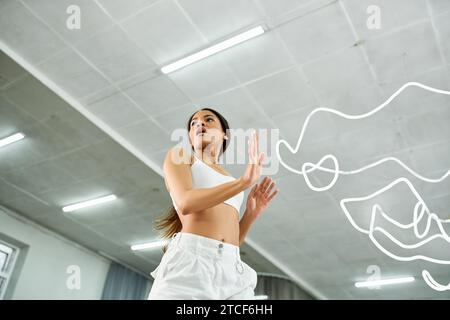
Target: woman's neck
(211,159)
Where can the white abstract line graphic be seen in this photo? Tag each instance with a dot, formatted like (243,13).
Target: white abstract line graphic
(420,211)
(433,283)
(308,167)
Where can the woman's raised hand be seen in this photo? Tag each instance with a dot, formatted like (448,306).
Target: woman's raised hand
(254,168)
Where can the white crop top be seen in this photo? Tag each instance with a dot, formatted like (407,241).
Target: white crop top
(203,176)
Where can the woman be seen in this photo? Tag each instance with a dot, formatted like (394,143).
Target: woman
(202,260)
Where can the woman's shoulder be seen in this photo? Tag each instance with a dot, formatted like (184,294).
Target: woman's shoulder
(180,155)
(176,155)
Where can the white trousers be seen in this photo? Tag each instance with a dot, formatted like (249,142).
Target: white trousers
(198,267)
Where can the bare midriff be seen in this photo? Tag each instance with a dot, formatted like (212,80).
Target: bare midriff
(220,222)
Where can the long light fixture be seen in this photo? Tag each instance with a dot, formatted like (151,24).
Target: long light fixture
(149,245)
(262,297)
(376,283)
(12,138)
(249,34)
(89,203)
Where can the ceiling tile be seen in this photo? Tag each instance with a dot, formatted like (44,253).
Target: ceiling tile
(381,138)
(92,18)
(431,159)
(82,165)
(257,57)
(325,30)
(439,6)
(139,176)
(415,100)
(236,106)
(43,142)
(28,206)
(12,119)
(73,75)
(120,10)
(355,252)
(282,92)
(320,126)
(429,190)
(396,56)
(117,111)
(80,233)
(109,156)
(39,177)
(132,230)
(26,35)
(443,32)
(121,63)
(159,157)
(115,212)
(20,154)
(274,8)
(95,187)
(9,192)
(152,200)
(426,128)
(343,81)
(74,128)
(393,14)
(163,32)
(9,70)
(204,78)
(440,206)
(155,95)
(217,19)
(175,122)
(293,187)
(36,99)
(146,136)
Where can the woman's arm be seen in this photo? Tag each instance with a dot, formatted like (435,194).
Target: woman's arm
(198,199)
(257,201)
(178,176)
(244,226)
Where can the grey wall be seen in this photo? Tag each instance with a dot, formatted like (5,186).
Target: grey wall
(44,261)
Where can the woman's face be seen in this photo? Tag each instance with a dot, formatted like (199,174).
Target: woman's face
(206,131)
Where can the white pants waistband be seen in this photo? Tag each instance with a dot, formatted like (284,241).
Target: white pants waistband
(205,246)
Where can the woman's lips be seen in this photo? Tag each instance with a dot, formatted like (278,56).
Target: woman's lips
(201,132)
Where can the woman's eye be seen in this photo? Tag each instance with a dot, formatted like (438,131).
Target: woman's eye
(193,122)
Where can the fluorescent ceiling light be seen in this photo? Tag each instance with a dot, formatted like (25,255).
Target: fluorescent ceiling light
(261,297)
(382,282)
(12,138)
(148,245)
(89,203)
(213,49)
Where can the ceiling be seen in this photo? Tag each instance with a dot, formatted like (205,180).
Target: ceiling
(66,159)
(106,122)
